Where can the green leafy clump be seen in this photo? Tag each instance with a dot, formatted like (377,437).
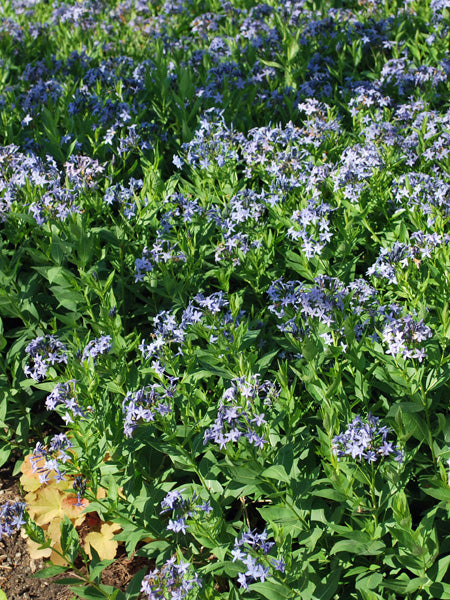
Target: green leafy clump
(224,306)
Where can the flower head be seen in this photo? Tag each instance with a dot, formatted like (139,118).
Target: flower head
(366,440)
(11,518)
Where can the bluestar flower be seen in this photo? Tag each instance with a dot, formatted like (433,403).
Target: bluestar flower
(250,549)
(11,518)
(172,578)
(98,346)
(172,501)
(183,509)
(146,403)
(403,334)
(82,171)
(404,254)
(300,307)
(365,440)
(168,329)
(46,461)
(79,485)
(177,525)
(236,417)
(64,394)
(430,194)
(44,351)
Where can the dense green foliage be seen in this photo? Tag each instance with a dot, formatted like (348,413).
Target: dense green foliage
(225,275)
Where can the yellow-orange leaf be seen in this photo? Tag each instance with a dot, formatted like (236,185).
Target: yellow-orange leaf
(35,552)
(69,505)
(45,505)
(101,493)
(54,532)
(102,541)
(29,479)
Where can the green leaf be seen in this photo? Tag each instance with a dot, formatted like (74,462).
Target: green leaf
(282,515)
(5,453)
(440,590)
(213,369)
(97,566)
(134,587)
(113,387)
(372,548)
(69,581)
(439,569)
(227,567)
(397,585)
(328,586)
(404,536)
(272,590)
(50,572)
(59,250)
(415,584)
(371,582)
(90,593)
(330,494)
(277,472)
(310,349)
(67,297)
(263,363)
(442,493)
(3,595)
(57,275)
(36,533)
(297,263)
(70,542)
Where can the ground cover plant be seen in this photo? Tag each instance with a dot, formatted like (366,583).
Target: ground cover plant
(224,298)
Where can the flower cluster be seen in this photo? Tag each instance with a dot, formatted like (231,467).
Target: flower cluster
(162,252)
(19,170)
(236,417)
(44,351)
(82,171)
(11,518)
(313,227)
(404,254)
(403,334)
(366,440)
(429,194)
(123,195)
(79,485)
(47,461)
(214,143)
(250,549)
(182,509)
(168,329)
(403,74)
(243,210)
(145,403)
(358,164)
(300,307)
(64,394)
(172,581)
(98,346)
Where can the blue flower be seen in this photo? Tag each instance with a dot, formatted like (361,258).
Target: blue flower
(250,549)
(11,518)
(44,351)
(96,347)
(365,440)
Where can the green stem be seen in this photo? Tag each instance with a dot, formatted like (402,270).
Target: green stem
(427,418)
(374,500)
(79,574)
